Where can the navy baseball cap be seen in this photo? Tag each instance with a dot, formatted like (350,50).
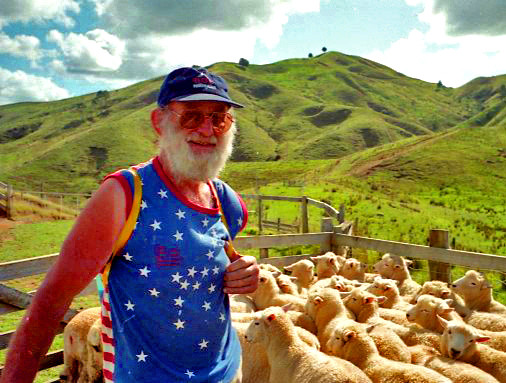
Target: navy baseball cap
(189,84)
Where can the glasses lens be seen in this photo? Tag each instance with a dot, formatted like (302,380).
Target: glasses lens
(191,119)
(222,121)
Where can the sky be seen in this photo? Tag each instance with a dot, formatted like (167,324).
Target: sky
(56,49)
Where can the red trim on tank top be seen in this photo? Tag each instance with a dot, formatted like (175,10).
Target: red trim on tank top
(172,187)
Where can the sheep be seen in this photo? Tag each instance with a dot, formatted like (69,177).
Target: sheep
(461,342)
(388,288)
(396,267)
(353,269)
(269,267)
(328,264)
(325,307)
(293,361)
(477,293)
(337,282)
(303,270)
(441,290)
(298,318)
(241,303)
(365,306)
(82,360)
(429,308)
(287,284)
(457,371)
(268,294)
(352,342)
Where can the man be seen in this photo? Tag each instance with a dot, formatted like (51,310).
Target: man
(166,311)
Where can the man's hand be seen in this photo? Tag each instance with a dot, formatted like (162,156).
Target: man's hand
(241,276)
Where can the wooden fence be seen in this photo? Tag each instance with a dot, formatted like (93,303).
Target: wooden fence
(6,199)
(330,238)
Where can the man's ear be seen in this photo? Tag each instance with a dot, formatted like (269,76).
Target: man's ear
(156,117)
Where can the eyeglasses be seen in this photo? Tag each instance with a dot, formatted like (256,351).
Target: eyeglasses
(192,119)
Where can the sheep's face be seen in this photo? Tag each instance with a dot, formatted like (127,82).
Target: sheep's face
(383,286)
(471,285)
(325,262)
(458,338)
(342,334)
(360,299)
(286,284)
(94,352)
(255,332)
(385,266)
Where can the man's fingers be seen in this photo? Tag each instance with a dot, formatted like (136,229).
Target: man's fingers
(250,280)
(241,273)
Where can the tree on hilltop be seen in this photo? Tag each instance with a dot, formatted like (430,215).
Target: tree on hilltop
(324,49)
(310,55)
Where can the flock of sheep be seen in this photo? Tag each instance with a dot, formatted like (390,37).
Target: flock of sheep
(346,325)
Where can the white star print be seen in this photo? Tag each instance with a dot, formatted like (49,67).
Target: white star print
(156,225)
(214,233)
(184,285)
(144,205)
(129,305)
(214,241)
(239,222)
(189,373)
(141,357)
(210,254)
(216,270)
(203,344)
(176,277)
(220,187)
(128,257)
(154,292)
(163,193)
(191,272)
(222,317)
(179,301)
(196,285)
(145,271)
(206,306)
(179,324)
(180,214)
(178,236)
(211,288)
(205,222)
(204,272)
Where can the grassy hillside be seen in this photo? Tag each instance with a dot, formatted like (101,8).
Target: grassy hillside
(328,106)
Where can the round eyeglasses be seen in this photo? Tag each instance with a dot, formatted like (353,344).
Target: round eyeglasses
(192,119)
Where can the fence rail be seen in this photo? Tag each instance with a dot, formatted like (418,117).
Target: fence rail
(332,238)
(6,199)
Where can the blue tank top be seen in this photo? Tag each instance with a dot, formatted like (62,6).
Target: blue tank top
(170,318)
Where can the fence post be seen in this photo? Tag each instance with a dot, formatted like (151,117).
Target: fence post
(264,253)
(438,270)
(10,195)
(341,213)
(259,215)
(327,225)
(303,214)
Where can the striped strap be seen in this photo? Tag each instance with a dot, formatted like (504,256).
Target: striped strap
(129,223)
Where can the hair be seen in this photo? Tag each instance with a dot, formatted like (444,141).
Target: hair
(186,165)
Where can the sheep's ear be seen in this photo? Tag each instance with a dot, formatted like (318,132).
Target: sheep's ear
(271,317)
(287,307)
(344,294)
(445,294)
(449,302)
(369,328)
(442,321)
(369,300)
(315,259)
(363,265)
(486,285)
(396,281)
(409,262)
(276,273)
(381,299)
(446,310)
(289,267)
(318,300)
(293,279)
(481,338)
(349,335)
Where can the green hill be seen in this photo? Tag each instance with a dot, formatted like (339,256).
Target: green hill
(328,106)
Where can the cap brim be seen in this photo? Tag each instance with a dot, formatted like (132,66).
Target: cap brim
(207,97)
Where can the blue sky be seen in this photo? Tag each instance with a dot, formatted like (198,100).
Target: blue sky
(62,48)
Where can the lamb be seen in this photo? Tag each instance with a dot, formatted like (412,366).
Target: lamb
(396,267)
(299,319)
(365,306)
(328,264)
(325,307)
(353,269)
(352,342)
(461,342)
(82,349)
(303,270)
(440,289)
(287,284)
(456,370)
(292,360)
(388,288)
(429,308)
(268,294)
(477,293)
(241,304)
(337,282)
(269,267)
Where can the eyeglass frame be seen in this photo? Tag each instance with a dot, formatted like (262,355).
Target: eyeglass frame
(206,115)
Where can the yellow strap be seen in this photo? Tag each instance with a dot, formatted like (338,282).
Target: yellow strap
(129,224)
(229,248)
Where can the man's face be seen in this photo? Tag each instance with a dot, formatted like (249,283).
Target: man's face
(200,153)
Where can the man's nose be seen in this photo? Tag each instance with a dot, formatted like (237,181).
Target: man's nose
(206,127)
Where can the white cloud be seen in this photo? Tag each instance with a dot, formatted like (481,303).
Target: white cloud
(435,55)
(95,51)
(19,86)
(38,10)
(21,46)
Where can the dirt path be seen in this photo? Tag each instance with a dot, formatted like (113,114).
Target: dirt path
(384,158)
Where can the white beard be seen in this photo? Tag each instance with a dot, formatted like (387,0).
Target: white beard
(184,164)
